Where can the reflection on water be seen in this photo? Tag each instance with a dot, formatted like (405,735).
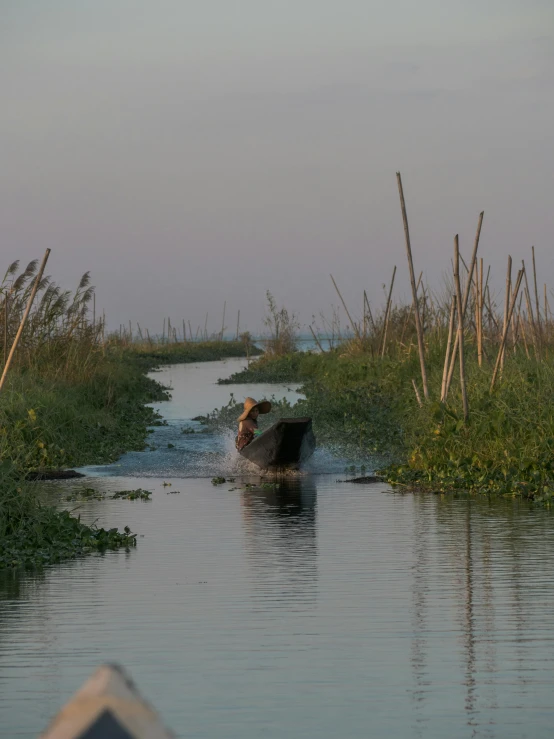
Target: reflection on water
(280,540)
(318,608)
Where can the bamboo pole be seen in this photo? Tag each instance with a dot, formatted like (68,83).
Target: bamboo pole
(354,326)
(184,331)
(411,310)
(316,339)
(387,315)
(505,325)
(206,328)
(460,326)
(419,328)
(24,319)
(466,298)
(536,295)
(539,321)
(448,347)
(515,332)
(524,339)
(418,396)
(530,312)
(370,316)
(480,313)
(505,332)
(238,324)
(190,331)
(6,306)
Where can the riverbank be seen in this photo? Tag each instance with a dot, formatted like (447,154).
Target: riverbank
(365,405)
(52,416)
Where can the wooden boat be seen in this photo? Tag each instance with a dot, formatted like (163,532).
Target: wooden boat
(285,445)
(108,706)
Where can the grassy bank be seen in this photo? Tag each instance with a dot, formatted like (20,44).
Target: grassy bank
(365,405)
(73,397)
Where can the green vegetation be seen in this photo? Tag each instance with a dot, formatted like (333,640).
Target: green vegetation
(87,494)
(73,396)
(151,354)
(34,535)
(365,406)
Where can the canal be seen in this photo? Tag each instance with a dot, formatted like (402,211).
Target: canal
(319,609)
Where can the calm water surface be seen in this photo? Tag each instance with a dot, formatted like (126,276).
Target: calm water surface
(323,609)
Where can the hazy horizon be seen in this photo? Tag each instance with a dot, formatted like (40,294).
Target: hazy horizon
(189,155)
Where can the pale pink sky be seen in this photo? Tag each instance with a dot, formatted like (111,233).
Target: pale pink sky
(189,153)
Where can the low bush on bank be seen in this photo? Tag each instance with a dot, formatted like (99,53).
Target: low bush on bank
(34,535)
(187,352)
(365,406)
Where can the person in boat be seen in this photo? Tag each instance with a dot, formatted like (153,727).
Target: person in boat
(248,421)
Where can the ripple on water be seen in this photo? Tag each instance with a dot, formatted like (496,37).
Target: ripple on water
(317,609)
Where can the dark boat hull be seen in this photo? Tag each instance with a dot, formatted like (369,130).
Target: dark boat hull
(285,445)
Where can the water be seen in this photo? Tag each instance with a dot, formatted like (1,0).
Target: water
(318,610)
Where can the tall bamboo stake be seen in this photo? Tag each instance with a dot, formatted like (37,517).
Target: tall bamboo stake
(418,396)
(530,312)
(480,314)
(524,338)
(238,324)
(448,347)
(387,315)
(206,328)
(370,316)
(316,339)
(6,306)
(465,300)
(410,310)
(419,327)
(505,331)
(539,326)
(24,319)
(506,304)
(190,331)
(460,326)
(352,323)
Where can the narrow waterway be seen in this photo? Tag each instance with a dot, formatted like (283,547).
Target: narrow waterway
(319,609)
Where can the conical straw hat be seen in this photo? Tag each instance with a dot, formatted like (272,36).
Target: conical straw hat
(264,406)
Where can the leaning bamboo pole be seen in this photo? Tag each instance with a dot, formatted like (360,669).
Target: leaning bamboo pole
(24,319)
(352,323)
(316,339)
(6,307)
(539,327)
(387,315)
(480,313)
(419,327)
(505,332)
(530,313)
(505,325)
(465,300)
(460,327)
(448,347)
(369,314)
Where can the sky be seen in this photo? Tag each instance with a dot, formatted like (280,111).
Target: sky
(195,152)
